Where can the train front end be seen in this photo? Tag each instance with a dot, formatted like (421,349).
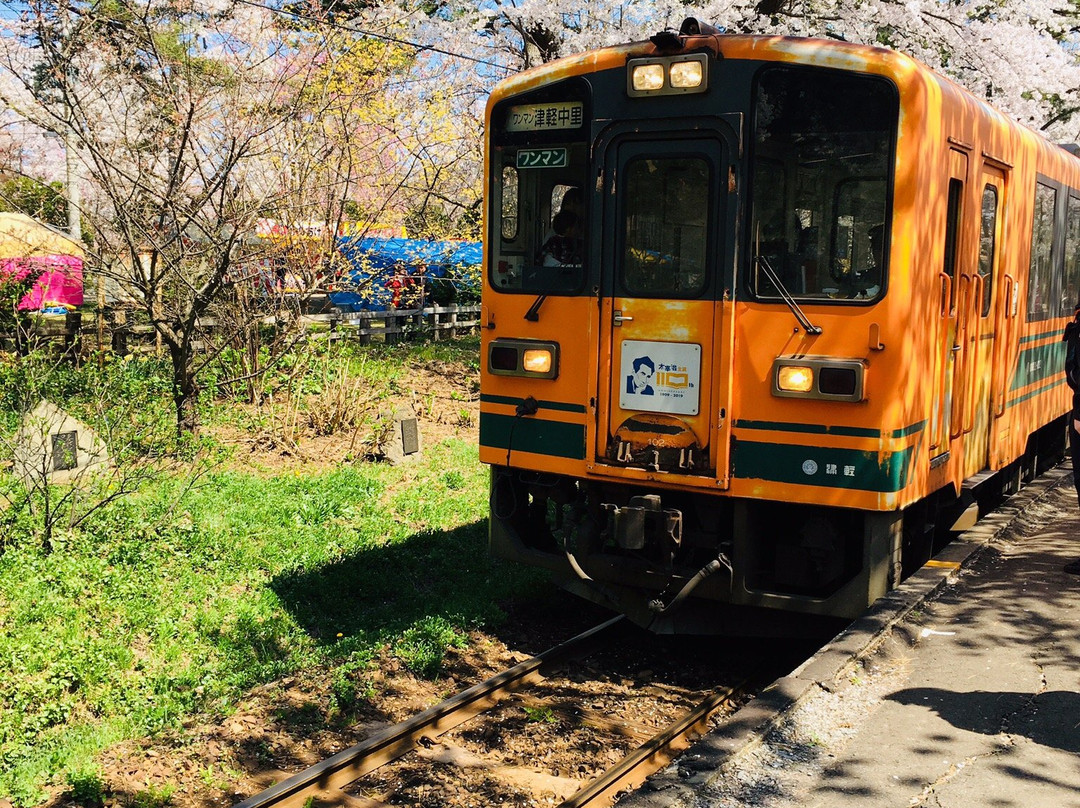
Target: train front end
(686,399)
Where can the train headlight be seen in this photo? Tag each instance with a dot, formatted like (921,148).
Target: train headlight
(524,357)
(794,379)
(821,378)
(685,75)
(647,78)
(667,75)
(537,360)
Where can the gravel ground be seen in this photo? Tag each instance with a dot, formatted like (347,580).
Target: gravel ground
(778,772)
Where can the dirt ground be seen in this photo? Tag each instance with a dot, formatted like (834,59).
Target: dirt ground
(443,396)
(278,729)
(590,715)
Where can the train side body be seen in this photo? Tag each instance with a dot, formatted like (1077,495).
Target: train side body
(665,467)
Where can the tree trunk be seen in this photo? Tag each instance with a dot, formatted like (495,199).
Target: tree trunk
(185,391)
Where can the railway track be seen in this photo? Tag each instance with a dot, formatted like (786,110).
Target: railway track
(339,780)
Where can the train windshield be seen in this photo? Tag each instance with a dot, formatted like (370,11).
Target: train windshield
(539,218)
(820,181)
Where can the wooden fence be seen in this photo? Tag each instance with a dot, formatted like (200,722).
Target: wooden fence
(433,322)
(116,331)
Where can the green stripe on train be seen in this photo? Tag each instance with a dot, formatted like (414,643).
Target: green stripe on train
(1038,363)
(532,434)
(821,466)
(1055,332)
(823,429)
(813,429)
(1038,391)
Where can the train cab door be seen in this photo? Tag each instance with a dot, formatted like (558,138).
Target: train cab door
(664,199)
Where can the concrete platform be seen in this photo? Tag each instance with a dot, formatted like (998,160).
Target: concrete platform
(961,688)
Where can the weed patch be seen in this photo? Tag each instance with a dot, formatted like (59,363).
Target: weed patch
(423,645)
(194,585)
(155,612)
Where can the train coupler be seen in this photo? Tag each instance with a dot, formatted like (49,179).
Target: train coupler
(634,525)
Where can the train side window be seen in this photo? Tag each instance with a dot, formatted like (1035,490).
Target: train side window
(987,246)
(532,250)
(1040,275)
(1070,295)
(509,203)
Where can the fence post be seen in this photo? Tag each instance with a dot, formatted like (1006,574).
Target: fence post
(73,333)
(363,330)
(118,326)
(393,332)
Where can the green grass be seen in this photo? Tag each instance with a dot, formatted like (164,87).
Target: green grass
(177,600)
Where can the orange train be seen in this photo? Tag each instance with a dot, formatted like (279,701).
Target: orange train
(762,317)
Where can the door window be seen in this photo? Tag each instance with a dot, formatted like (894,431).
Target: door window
(665,236)
(1070,295)
(987,235)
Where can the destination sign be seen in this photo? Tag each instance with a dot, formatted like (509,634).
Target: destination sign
(541,158)
(545,117)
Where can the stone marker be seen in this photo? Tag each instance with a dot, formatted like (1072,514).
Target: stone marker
(52,446)
(403,443)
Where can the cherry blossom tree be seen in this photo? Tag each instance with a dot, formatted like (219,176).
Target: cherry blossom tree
(195,125)
(1019,54)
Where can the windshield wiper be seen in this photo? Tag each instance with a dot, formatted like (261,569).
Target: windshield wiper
(533,314)
(785,295)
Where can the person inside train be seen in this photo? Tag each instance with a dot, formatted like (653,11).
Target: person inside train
(1072,376)
(571,201)
(565,245)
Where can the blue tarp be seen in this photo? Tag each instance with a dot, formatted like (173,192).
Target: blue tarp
(371,261)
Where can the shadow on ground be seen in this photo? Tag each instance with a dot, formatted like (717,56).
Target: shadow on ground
(382,591)
(1048,718)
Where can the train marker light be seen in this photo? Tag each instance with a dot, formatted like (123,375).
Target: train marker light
(524,357)
(502,357)
(838,381)
(537,360)
(795,379)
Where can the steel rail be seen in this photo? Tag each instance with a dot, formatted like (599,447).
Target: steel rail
(652,755)
(393,742)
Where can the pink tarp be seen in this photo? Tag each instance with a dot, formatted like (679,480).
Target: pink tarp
(60,282)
